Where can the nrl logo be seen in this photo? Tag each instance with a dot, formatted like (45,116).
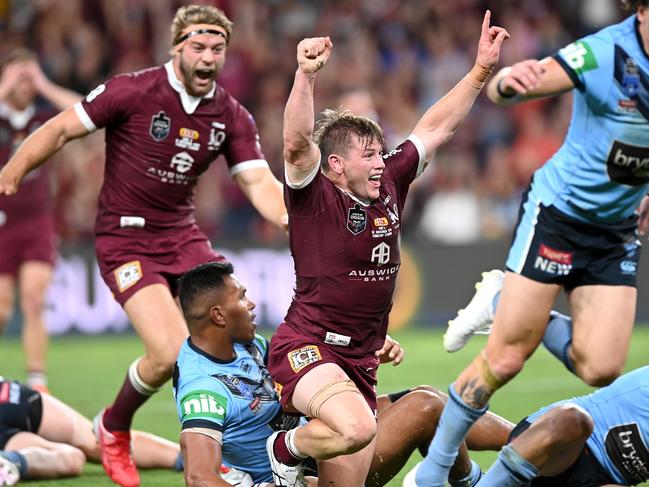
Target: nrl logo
(160,126)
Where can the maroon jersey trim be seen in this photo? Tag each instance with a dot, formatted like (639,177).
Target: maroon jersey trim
(245,165)
(306,181)
(421,149)
(84,118)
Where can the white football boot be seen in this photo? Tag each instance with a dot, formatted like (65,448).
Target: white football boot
(9,474)
(478,315)
(284,475)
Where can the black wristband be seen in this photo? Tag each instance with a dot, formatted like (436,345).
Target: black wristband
(501,92)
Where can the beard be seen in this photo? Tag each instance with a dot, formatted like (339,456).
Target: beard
(189,74)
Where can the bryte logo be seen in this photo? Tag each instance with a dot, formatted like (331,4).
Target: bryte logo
(628,164)
(203,404)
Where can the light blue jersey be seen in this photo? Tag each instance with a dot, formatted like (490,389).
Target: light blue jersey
(601,172)
(236,398)
(620,439)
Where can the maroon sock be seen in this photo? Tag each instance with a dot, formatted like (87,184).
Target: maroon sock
(282,453)
(119,415)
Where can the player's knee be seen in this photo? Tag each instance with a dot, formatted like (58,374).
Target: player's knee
(426,404)
(570,423)
(72,462)
(162,363)
(32,304)
(357,435)
(600,374)
(506,366)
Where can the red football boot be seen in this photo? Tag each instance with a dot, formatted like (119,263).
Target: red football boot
(116,455)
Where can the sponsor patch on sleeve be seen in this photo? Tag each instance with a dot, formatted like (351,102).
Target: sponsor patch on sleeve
(128,275)
(203,404)
(579,56)
(304,356)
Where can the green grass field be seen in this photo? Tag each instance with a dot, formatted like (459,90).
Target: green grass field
(86,372)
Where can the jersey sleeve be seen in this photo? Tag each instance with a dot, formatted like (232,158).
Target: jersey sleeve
(590,64)
(203,403)
(108,103)
(405,163)
(243,149)
(310,197)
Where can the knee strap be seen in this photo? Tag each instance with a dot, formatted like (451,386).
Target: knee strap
(493,381)
(326,393)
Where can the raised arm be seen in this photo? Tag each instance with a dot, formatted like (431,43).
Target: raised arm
(528,79)
(39,147)
(59,97)
(301,155)
(202,460)
(441,120)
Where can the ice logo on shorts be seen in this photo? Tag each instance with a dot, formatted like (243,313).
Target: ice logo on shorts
(628,267)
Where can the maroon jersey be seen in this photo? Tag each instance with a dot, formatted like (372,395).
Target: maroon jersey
(347,255)
(33,200)
(159,140)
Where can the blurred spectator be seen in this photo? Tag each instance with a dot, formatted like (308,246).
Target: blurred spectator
(405,53)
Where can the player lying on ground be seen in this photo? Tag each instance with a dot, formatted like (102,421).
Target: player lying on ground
(228,406)
(46,438)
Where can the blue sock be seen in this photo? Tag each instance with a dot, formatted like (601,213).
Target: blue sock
(456,420)
(509,470)
(470,480)
(18,459)
(180,466)
(558,338)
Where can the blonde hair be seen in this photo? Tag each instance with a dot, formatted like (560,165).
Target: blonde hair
(334,131)
(199,14)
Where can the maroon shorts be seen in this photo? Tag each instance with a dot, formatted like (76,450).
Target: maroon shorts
(293,355)
(129,263)
(33,240)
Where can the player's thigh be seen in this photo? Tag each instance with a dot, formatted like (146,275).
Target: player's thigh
(63,424)
(34,278)
(603,318)
(340,411)
(521,316)
(407,424)
(157,320)
(7,298)
(346,470)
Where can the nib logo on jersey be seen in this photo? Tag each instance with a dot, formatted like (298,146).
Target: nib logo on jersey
(628,164)
(552,261)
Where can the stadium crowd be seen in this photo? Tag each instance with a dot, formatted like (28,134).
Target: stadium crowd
(384,52)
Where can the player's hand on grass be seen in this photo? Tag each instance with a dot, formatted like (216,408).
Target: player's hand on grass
(491,40)
(392,351)
(313,53)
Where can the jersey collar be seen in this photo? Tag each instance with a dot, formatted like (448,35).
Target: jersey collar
(208,356)
(189,102)
(636,25)
(17,120)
